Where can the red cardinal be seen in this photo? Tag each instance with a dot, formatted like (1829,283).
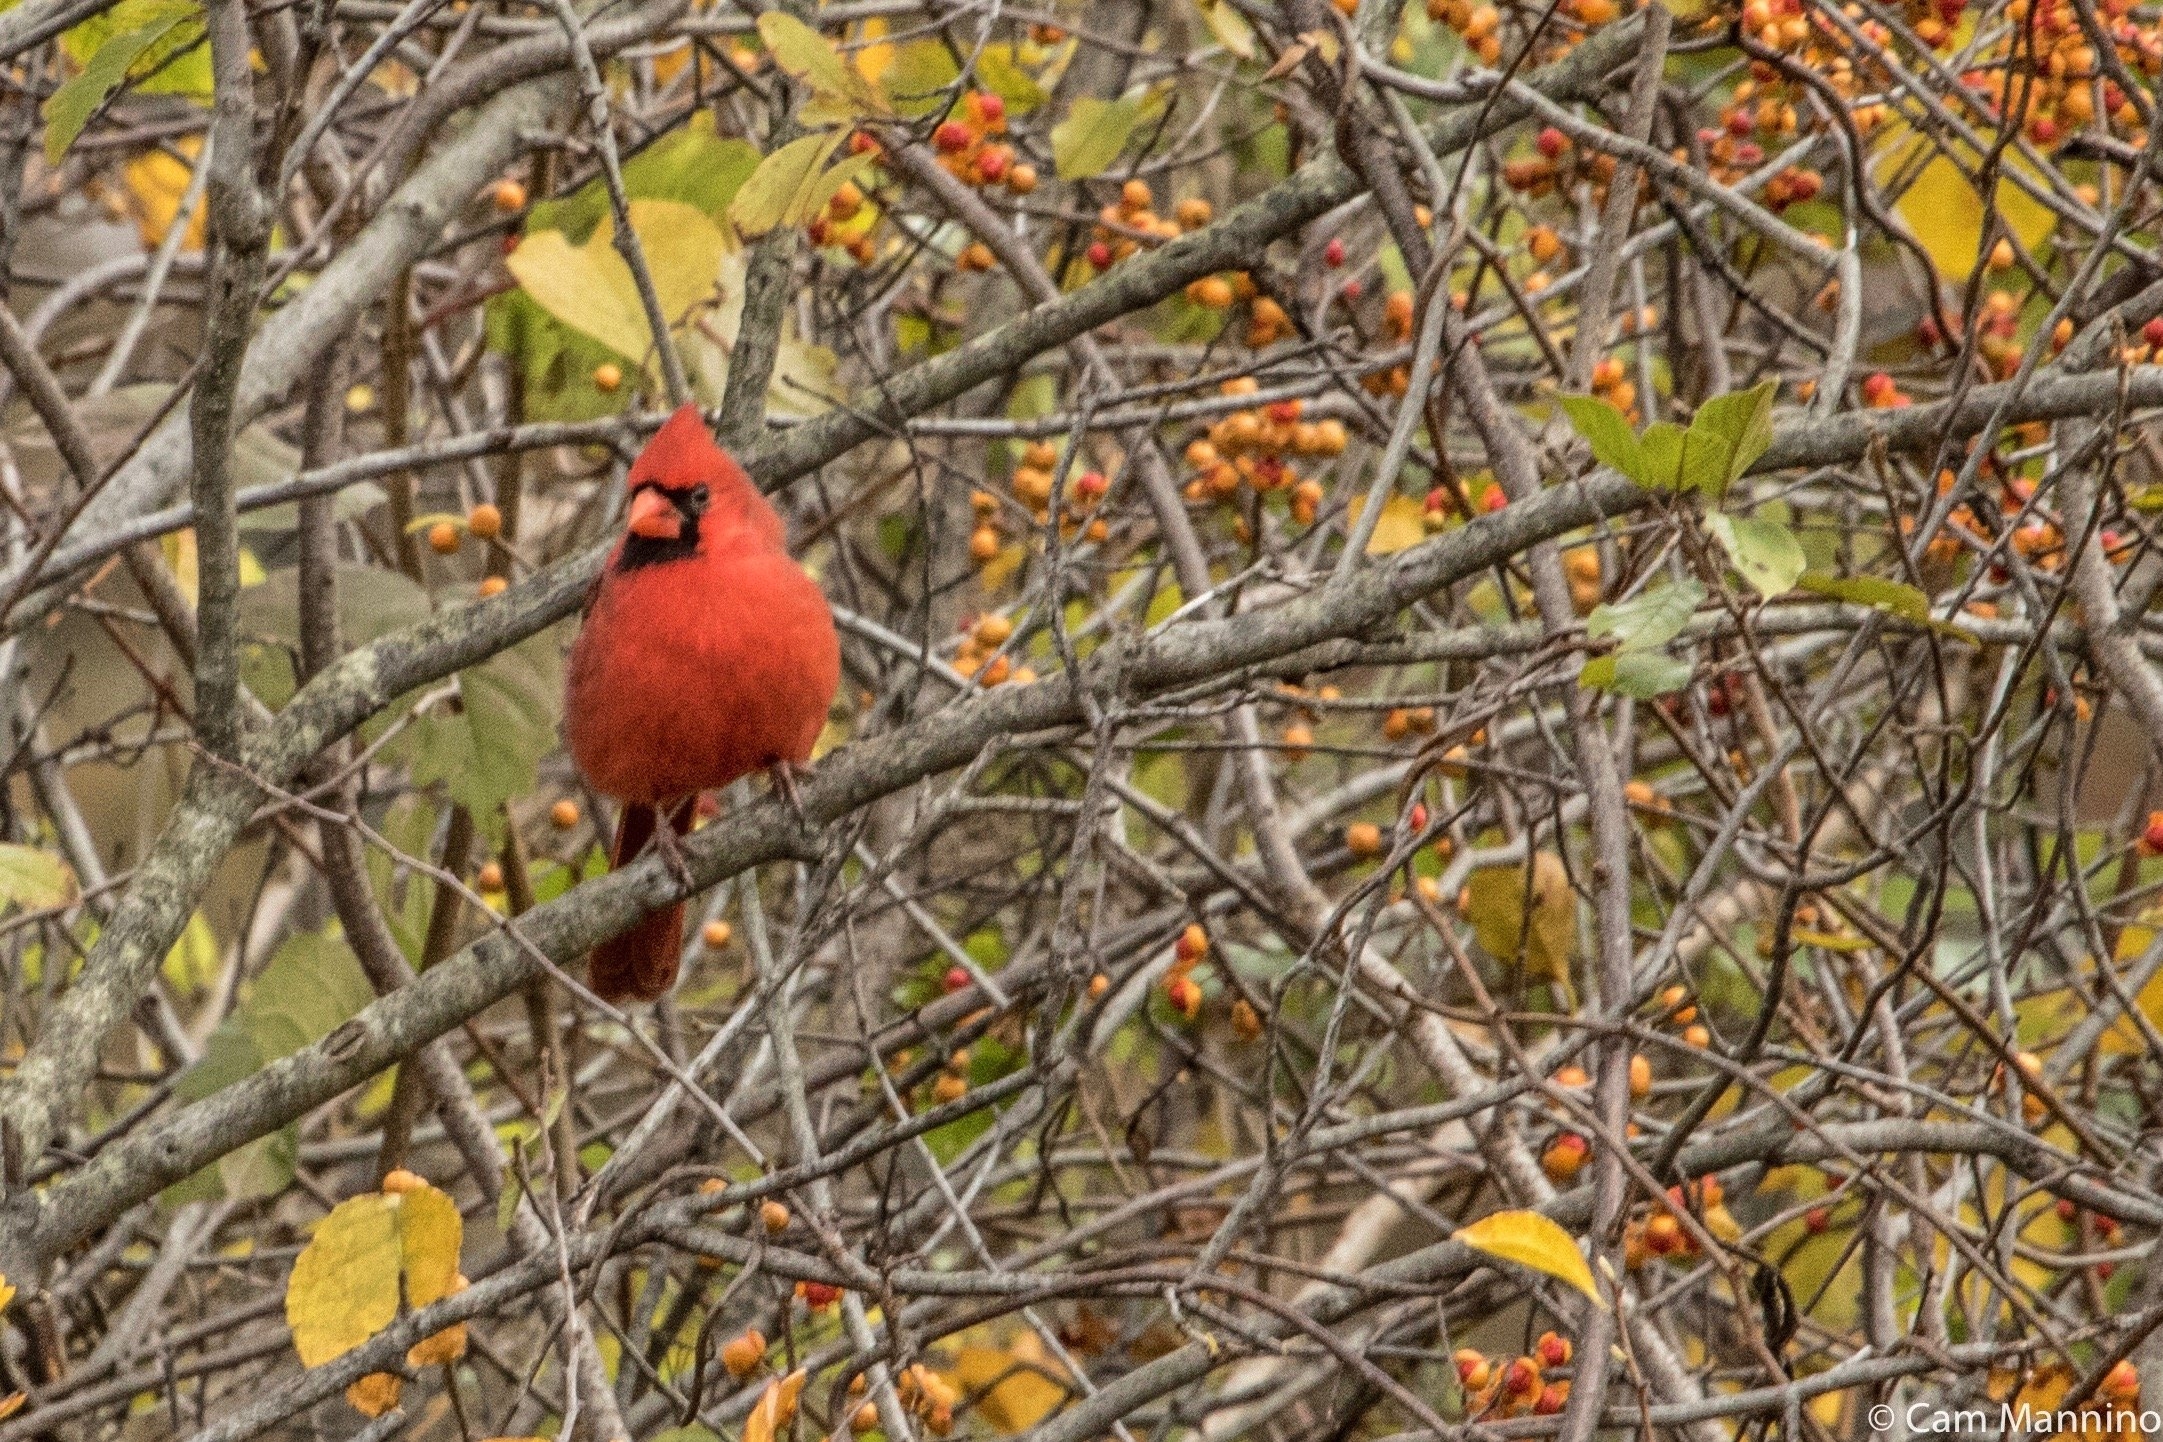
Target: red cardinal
(707,654)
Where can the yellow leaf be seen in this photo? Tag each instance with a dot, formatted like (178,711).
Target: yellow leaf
(996,571)
(1494,902)
(589,288)
(1531,1240)
(2124,1038)
(1229,26)
(345,1283)
(12,1403)
(1946,211)
(1401,526)
(775,1408)
(7,1293)
(808,56)
(156,182)
(192,964)
(877,56)
(1014,1385)
(792,185)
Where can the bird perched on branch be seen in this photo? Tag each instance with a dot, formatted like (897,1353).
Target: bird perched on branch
(707,654)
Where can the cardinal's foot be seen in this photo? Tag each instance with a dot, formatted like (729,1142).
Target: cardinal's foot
(784,775)
(671,849)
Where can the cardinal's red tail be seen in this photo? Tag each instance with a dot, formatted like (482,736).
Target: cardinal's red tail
(640,964)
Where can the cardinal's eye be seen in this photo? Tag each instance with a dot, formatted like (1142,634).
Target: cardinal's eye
(698,498)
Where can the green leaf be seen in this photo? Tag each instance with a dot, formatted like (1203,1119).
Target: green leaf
(1608,433)
(1727,435)
(1895,598)
(489,748)
(34,879)
(1766,552)
(779,192)
(997,69)
(922,74)
(1662,444)
(810,57)
(1643,674)
(311,986)
(178,64)
(1651,620)
(1093,133)
(72,105)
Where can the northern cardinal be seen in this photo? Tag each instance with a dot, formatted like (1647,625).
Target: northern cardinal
(707,654)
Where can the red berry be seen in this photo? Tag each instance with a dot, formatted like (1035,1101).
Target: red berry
(818,1294)
(2152,838)
(1493,500)
(1352,292)
(2153,331)
(1817,1219)
(991,165)
(2066,1210)
(1333,253)
(1418,816)
(957,977)
(1100,255)
(951,136)
(1092,484)
(1552,142)
(1437,499)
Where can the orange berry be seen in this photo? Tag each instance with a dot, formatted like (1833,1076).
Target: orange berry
(1246,1022)
(399,1181)
(1298,741)
(1098,985)
(485,522)
(1194,213)
(1564,1158)
(949,1088)
(715,934)
(1134,195)
(508,196)
(983,543)
(773,1216)
(1363,839)
(607,377)
(1640,1076)
(564,814)
(374,1394)
(491,586)
(1021,179)
(1193,944)
(489,877)
(444,538)
(743,1353)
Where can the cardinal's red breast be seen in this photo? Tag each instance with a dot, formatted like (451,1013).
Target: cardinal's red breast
(707,654)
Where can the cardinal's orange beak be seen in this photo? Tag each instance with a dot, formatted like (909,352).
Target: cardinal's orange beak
(654,516)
